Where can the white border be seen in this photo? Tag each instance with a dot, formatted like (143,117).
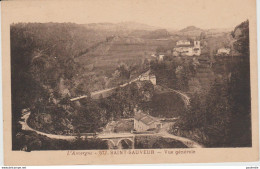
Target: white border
(197,165)
(1,107)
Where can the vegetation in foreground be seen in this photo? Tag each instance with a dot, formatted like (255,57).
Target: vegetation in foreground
(31,141)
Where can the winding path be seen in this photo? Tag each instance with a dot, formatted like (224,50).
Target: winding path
(189,143)
(93,94)
(185,98)
(25,126)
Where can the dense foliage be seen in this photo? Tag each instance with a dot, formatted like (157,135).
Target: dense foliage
(30,141)
(174,73)
(42,59)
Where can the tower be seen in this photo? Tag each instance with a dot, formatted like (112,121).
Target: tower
(196,44)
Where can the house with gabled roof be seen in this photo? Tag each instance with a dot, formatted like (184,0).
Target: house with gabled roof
(223,51)
(144,122)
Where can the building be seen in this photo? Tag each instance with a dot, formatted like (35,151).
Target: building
(148,76)
(223,51)
(144,122)
(153,79)
(186,48)
(183,42)
(160,58)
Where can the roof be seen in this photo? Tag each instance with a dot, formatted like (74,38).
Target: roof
(183,45)
(145,118)
(139,115)
(183,40)
(228,49)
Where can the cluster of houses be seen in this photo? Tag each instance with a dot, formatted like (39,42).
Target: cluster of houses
(189,48)
(183,48)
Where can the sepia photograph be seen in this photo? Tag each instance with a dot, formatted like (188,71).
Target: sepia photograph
(132,78)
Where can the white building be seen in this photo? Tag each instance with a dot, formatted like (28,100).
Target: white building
(160,58)
(153,55)
(185,48)
(223,51)
(183,42)
(153,79)
(144,122)
(148,76)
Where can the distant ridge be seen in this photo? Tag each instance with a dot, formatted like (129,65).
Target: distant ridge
(191,28)
(120,26)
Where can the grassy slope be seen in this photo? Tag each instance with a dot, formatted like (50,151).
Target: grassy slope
(123,49)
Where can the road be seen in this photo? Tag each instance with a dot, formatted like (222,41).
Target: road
(185,98)
(109,89)
(93,93)
(25,126)
(163,133)
(189,143)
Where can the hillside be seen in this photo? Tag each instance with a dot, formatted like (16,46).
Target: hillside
(43,68)
(157,34)
(104,60)
(122,28)
(190,29)
(70,49)
(52,62)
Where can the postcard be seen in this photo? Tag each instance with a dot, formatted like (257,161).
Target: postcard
(129,82)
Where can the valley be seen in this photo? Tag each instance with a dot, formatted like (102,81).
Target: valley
(79,79)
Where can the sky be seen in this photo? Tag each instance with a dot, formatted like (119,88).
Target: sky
(175,14)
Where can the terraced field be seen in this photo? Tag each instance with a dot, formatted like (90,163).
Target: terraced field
(129,50)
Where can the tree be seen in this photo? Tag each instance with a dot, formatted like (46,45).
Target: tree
(239,88)
(242,43)
(202,35)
